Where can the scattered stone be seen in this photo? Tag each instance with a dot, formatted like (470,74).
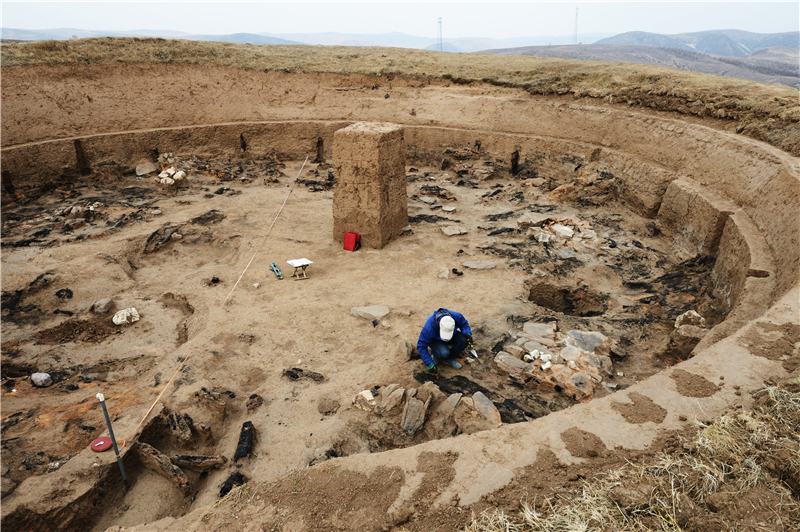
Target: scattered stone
(374,312)
(236,479)
(537,181)
(479,264)
(127,315)
(154,460)
(587,341)
(391,397)
(144,169)
(413,415)
(365,401)
(532,219)
(541,330)
(41,380)
(690,317)
(199,463)
(580,385)
(179,175)
(406,230)
(247,438)
(166,181)
(562,230)
(448,208)
(427,199)
(514,350)
(566,253)
(444,273)
(452,230)
(429,392)
(511,364)
(486,409)
(684,339)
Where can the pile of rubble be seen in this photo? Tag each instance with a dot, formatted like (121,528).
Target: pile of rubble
(573,363)
(442,415)
(570,234)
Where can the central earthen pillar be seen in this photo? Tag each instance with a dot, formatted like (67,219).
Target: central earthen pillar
(370,194)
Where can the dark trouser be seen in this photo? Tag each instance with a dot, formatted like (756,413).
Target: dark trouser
(452,349)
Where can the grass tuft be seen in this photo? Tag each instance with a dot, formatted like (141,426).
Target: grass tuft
(730,454)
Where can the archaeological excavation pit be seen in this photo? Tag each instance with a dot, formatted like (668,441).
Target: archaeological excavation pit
(587,260)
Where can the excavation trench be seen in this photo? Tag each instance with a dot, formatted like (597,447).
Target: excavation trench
(595,252)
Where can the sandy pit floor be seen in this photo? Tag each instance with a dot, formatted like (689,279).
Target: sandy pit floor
(289,355)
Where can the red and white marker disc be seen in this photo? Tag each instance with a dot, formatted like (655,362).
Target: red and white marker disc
(101,444)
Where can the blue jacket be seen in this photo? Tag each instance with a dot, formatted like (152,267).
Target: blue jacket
(430,331)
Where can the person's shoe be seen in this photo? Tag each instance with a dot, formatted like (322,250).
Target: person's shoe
(455,363)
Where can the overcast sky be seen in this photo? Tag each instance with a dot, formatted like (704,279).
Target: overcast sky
(459,19)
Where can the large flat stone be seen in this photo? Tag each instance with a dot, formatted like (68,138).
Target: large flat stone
(479,264)
(486,409)
(373,312)
(452,230)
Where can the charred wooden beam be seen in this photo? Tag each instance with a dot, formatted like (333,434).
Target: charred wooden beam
(247,439)
(156,461)
(199,463)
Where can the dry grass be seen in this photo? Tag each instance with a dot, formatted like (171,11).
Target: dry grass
(728,454)
(766,112)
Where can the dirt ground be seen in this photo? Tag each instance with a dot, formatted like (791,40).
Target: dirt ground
(60,257)
(242,352)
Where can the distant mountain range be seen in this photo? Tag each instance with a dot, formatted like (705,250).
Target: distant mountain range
(731,43)
(394,39)
(767,57)
(776,64)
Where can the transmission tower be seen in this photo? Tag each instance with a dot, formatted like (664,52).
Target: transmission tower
(575,31)
(440,34)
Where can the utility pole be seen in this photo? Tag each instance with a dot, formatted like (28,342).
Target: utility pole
(440,34)
(575,31)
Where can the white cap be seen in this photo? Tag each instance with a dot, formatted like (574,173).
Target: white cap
(447,326)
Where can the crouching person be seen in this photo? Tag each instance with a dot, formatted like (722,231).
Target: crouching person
(446,334)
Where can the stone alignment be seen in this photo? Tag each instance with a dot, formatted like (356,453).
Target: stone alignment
(370,194)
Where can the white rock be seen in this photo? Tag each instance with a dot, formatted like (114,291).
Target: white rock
(567,253)
(536,272)
(156,212)
(562,230)
(373,312)
(479,264)
(41,380)
(179,175)
(546,357)
(428,200)
(126,315)
(163,175)
(451,230)
(176,236)
(448,208)
(170,171)
(256,285)
(444,273)
(167,181)
(364,400)
(547,365)
(690,317)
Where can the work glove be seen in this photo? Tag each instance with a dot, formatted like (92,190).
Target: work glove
(434,371)
(469,340)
